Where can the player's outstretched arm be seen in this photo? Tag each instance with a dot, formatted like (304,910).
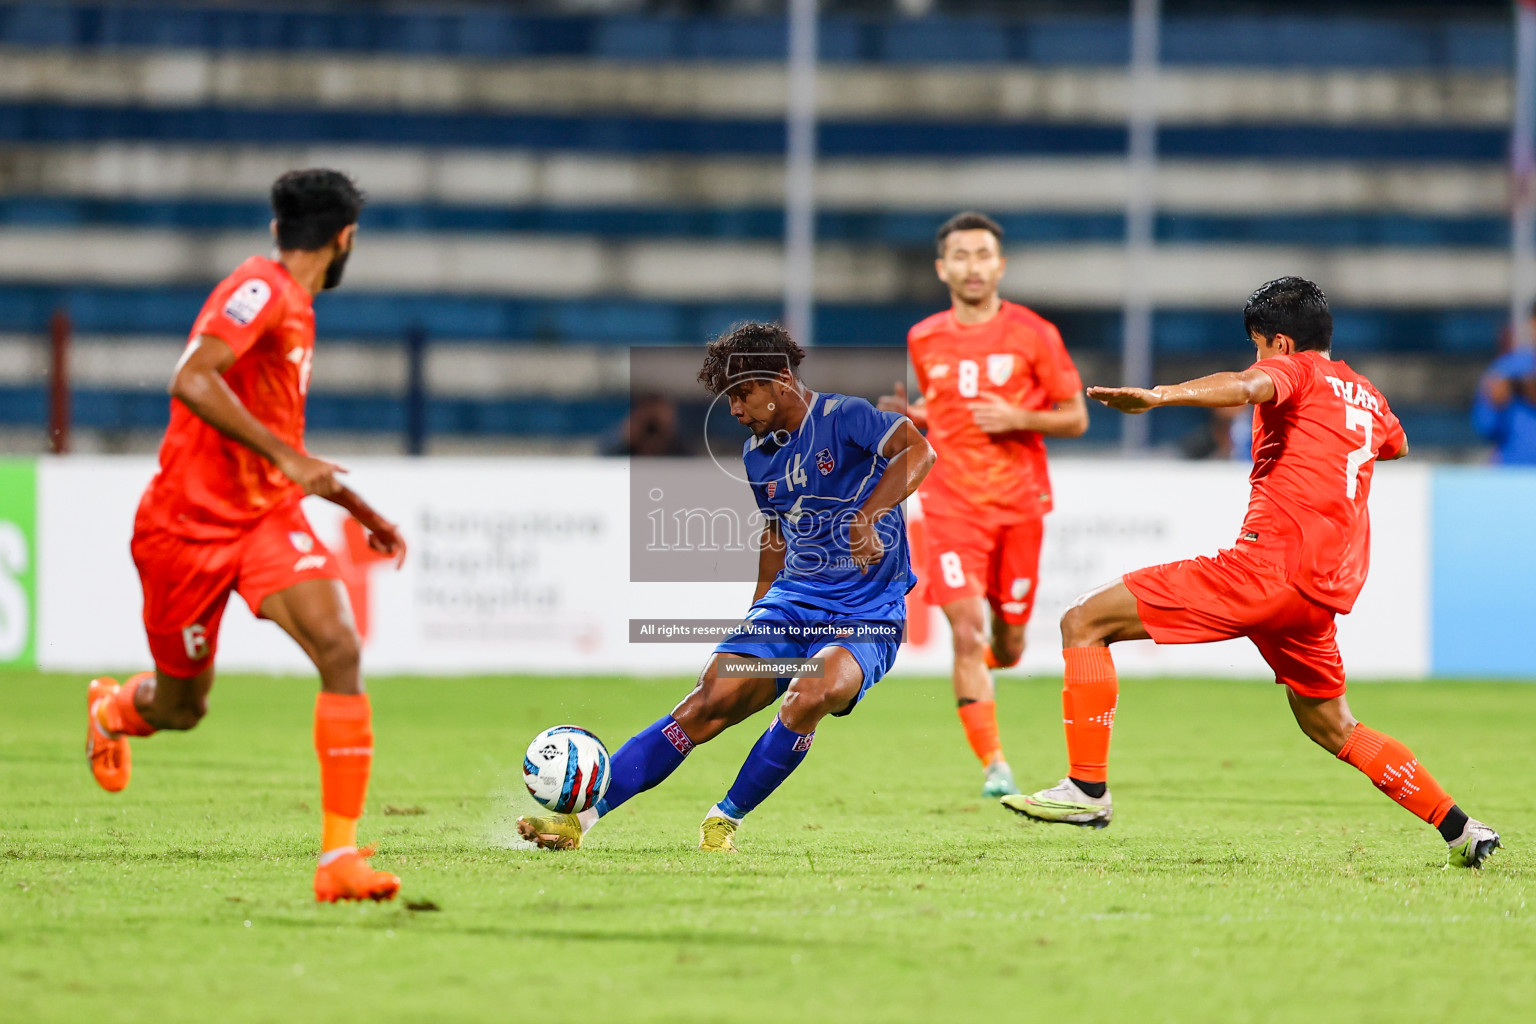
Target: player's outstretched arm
(1218,391)
(198,383)
(909,458)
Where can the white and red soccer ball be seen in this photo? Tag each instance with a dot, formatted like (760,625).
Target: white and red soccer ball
(566,769)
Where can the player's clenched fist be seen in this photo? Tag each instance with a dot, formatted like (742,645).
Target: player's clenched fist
(315,476)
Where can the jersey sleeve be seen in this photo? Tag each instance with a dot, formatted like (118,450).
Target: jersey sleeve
(1288,373)
(240,311)
(867,427)
(1054,367)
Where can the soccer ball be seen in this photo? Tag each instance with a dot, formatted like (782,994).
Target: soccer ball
(566,769)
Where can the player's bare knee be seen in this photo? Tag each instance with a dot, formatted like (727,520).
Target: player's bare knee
(338,653)
(1078,628)
(804,708)
(969,640)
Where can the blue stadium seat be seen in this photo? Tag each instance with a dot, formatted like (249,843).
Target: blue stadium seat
(902,228)
(618,321)
(1240,40)
(125,410)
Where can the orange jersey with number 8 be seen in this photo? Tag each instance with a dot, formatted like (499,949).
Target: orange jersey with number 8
(1314,447)
(1017,356)
(211,487)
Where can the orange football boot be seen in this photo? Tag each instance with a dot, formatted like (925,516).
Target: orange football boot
(350,877)
(111,762)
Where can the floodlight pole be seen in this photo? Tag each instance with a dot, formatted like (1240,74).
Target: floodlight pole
(800,174)
(1140,212)
(1522,178)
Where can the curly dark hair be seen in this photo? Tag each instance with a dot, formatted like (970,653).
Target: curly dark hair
(312,206)
(747,352)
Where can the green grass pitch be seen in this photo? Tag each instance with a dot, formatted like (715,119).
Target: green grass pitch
(1248,876)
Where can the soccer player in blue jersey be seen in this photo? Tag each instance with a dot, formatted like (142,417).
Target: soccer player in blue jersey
(829,473)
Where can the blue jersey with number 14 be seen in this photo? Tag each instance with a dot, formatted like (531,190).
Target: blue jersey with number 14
(811,482)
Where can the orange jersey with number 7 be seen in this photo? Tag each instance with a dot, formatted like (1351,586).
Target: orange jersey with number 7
(1314,448)
(1018,356)
(211,487)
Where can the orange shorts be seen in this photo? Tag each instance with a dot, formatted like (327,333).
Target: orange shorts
(1202,600)
(188,582)
(969,558)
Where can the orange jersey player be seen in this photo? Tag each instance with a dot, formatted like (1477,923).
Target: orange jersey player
(222,516)
(1300,559)
(995,381)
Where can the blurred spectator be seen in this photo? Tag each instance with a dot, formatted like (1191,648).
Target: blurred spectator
(1239,426)
(1505,410)
(649,429)
(1228,434)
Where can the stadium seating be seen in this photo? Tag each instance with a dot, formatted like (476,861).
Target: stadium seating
(594,183)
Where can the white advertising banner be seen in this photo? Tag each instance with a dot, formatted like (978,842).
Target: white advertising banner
(1113,516)
(522,565)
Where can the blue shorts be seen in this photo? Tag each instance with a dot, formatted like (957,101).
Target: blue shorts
(781,628)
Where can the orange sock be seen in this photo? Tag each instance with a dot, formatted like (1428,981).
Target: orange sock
(1394,770)
(980,721)
(118,715)
(1090,693)
(344,741)
(337,832)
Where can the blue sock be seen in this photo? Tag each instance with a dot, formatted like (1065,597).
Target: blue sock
(644,761)
(768,764)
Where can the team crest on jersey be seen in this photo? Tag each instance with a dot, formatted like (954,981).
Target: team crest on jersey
(999,367)
(771,487)
(247,301)
(302,542)
(1021,588)
(824,461)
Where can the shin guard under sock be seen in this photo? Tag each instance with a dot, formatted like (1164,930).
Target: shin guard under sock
(1394,770)
(769,762)
(344,744)
(644,761)
(1090,693)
